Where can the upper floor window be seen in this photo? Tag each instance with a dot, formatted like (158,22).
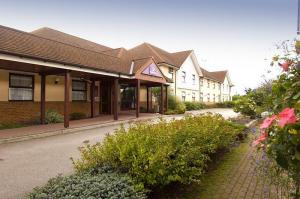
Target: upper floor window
(21,87)
(183,96)
(214,85)
(219,86)
(208,84)
(193,97)
(194,79)
(201,81)
(214,97)
(183,76)
(79,90)
(208,97)
(171,72)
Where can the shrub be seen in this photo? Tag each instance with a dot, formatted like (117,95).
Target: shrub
(194,105)
(53,117)
(175,106)
(180,108)
(227,104)
(89,185)
(162,153)
(77,116)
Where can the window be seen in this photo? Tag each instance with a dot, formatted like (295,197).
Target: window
(201,97)
(21,87)
(79,90)
(208,97)
(183,76)
(183,96)
(194,79)
(201,81)
(214,85)
(193,97)
(219,88)
(219,98)
(208,84)
(214,98)
(171,71)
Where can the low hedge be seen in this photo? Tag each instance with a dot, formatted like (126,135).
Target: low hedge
(194,106)
(89,185)
(162,153)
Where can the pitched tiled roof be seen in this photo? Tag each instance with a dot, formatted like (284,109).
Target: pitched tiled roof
(218,76)
(55,46)
(159,55)
(56,35)
(25,44)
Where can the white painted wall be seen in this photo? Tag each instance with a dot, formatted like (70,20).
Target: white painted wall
(190,87)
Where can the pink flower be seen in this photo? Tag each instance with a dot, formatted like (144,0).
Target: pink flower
(287,116)
(285,66)
(267,122)
(260,139)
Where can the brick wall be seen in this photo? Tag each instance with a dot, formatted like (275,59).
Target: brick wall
(28,112)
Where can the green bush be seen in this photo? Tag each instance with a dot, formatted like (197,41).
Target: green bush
(175,106)
(89,185)
(162,153)
(227,104)
(77,116)
(194,106)
(53,116)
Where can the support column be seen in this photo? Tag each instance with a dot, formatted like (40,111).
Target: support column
(43,98)
(167,103)
(137,98)
(116,99)
(67,99)
(93,99)
(161,99)
(147,99)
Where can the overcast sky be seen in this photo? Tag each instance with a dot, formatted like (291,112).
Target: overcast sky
(237,35)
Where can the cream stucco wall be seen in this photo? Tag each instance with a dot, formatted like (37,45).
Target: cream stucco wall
(210,91)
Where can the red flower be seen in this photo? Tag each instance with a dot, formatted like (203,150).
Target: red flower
(287,116)
(267,122)
(285,66)
(260,139)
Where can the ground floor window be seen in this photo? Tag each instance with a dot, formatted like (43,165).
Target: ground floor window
(193,97)
(183,96)
(21,87)
(79,90)
(201,97)
(208,97)
(214,98)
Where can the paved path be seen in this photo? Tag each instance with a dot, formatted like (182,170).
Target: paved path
(27,164)
(236,177)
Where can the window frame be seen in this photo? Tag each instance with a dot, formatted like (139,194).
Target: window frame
(194,79)
(193,96)
(183,96)
(171,71)
(86,90)
(183,76)
(10,86)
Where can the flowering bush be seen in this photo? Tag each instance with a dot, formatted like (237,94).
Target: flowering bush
(280,137)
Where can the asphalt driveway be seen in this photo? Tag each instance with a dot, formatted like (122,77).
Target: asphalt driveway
(25,165)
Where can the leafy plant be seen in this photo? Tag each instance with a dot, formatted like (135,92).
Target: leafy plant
(194,105)
(162,153)
(89,185)
(53,116)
